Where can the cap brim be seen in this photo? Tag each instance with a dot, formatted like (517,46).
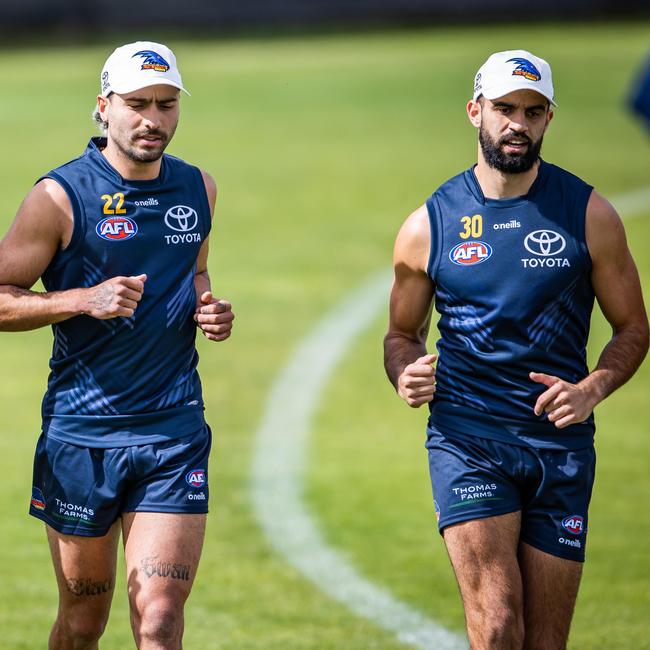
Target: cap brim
(129,88)
(501,91)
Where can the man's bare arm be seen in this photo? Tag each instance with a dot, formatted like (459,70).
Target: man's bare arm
(616,283)
(407,363)
(213,316)
(42,226)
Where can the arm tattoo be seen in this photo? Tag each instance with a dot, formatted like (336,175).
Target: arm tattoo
(152,566)
(88,586)
(102,297)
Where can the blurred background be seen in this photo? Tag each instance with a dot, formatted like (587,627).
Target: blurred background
(78,17)
(325,124)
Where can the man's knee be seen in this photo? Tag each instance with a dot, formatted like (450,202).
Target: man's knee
(505,629)
(80,628)
(159,620)
(495,625)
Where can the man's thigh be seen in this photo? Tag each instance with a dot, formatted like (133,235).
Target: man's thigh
(483,553)
(85,570)
(163,523)
(550,586)
(162,552)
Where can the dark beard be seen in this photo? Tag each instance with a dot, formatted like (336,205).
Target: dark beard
(508,163)
(146,156)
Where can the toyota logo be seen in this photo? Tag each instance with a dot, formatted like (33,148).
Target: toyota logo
(181,218)
(544,242)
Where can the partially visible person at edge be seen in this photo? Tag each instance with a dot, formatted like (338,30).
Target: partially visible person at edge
(639,99)
(513,250)
(119,237)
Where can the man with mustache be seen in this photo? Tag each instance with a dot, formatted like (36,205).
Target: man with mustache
(513,251)
(119,237)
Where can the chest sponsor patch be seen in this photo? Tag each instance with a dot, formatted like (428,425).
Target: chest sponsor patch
(546,246)
(470,252)
(116,228)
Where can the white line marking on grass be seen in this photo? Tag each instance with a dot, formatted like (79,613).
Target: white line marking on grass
(281,451)
(278,471)
(632,204)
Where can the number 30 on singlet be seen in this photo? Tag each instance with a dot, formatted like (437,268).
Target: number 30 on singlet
(472,227)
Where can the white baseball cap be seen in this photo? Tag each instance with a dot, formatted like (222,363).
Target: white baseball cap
(138,65)
(505,72)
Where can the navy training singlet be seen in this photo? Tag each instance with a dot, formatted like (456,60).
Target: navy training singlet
(128,381)
(513,289)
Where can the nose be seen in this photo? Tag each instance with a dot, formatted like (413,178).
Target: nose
(518,122)
(151,118)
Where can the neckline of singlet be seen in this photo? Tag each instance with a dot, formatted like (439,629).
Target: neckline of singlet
(94,149)
(475,189)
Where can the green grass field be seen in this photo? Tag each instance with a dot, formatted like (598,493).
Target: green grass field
(321,146)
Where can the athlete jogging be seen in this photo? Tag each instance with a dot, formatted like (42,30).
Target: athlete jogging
(513,251)
(119,237)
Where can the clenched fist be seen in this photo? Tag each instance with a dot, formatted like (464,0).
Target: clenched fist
(214,317)
(417,383)
(116,297)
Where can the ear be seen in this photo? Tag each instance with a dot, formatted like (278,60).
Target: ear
(102,107)
(474,112)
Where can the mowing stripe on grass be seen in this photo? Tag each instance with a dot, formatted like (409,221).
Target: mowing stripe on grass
(281,450)
(278,469)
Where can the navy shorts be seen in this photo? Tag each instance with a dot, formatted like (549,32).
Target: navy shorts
(475,477)
(83,491)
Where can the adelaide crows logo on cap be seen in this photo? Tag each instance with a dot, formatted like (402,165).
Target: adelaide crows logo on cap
(525,68)
(152,61)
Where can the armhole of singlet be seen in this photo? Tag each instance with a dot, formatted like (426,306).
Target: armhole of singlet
(205,207)
(581,209)
(78,221)
(435,247)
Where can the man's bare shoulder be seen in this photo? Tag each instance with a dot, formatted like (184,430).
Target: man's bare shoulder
(47,210)
(414,240)
(43,225)
(604,229)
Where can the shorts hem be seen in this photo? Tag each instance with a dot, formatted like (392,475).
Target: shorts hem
(169,510)
(66,529)
(473,516)
(556,552)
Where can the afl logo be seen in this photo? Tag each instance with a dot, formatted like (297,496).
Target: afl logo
(195,478)
(573,523)
(544,243)
(181,218)
(116,228)
(470,252)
